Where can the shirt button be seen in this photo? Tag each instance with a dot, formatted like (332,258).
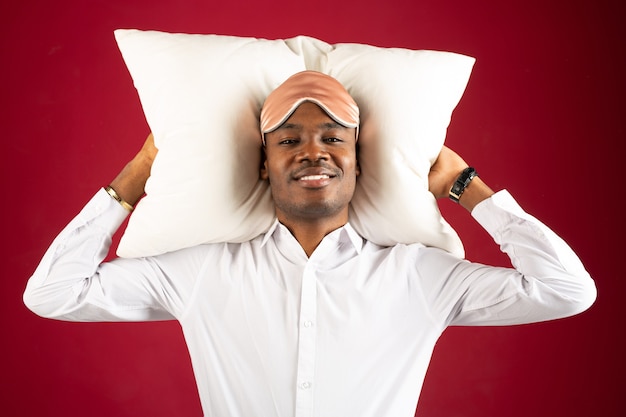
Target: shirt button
(308,323)
(305,385)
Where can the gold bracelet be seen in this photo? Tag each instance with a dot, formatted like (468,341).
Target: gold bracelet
(117,198)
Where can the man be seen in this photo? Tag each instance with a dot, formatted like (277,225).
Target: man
(311,319)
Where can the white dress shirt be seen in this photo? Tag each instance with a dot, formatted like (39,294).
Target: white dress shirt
(346,332)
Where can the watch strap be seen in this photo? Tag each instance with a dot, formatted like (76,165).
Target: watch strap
(461,183)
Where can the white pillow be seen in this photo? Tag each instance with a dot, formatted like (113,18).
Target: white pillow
(406,98)
(202,94)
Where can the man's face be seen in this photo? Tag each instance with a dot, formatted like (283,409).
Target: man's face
(311,166)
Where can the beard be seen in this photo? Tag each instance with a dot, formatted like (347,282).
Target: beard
(313,205)
(311,209)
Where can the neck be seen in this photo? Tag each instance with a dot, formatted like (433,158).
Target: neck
(309,233)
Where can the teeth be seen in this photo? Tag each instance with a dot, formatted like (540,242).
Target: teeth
(314,177)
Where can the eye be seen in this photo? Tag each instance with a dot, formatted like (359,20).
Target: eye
(333,139)
(288,141)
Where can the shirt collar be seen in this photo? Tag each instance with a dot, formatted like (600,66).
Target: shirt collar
(346,233)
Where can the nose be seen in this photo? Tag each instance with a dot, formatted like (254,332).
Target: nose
(312,150)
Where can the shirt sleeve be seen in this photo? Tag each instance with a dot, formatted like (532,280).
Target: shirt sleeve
(548,281)
(73,283)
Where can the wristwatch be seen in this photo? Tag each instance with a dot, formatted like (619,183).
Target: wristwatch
(461,183)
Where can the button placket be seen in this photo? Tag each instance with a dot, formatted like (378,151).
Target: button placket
(306,343)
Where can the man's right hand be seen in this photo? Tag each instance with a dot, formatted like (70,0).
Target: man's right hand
(131,181)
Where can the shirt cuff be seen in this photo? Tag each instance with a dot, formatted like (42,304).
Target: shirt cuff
(497,211)
(103,211)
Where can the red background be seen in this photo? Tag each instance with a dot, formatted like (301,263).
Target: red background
(543,116)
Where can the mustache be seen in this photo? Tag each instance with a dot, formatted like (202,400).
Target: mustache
(327,168)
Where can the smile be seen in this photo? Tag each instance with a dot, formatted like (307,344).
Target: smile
(314,177)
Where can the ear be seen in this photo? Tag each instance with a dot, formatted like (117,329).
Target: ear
(263,169)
